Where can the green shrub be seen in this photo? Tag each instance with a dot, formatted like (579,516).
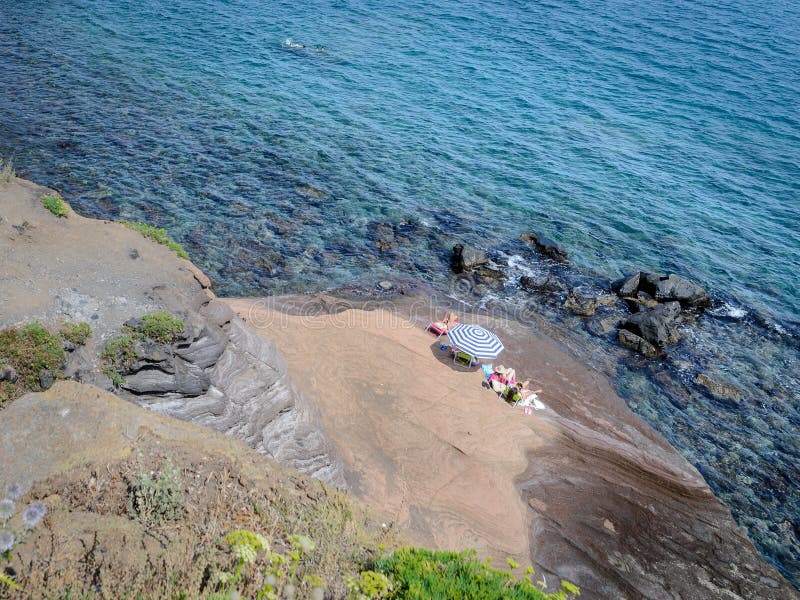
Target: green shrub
(7,170)
(161,327)
(118,356)
(157,497)
(421,573)
(29,350)
(55,204)
(158,235)
(76,333)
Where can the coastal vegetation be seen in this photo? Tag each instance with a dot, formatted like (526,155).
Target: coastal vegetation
(158,235)
(76,333)
(55,204)
(29,357)
(119,354)
(7,172)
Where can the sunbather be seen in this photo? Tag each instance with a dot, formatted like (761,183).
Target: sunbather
(443,326)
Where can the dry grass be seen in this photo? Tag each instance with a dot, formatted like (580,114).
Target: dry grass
(91,543)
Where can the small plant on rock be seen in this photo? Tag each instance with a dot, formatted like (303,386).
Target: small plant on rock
(117,357)
(76,333)
(55,204)
(156,497)
(9,537)
(158,235)
(7,172)
(160,327)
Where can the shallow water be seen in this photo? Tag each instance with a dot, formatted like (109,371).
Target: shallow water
(281,142)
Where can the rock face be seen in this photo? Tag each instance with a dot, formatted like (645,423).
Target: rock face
(546,247)
(657,325)
(218,375)
(465,258)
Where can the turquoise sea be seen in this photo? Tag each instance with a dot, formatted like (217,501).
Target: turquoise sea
(277,140)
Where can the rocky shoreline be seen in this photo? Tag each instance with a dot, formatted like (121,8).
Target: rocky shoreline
(607,502)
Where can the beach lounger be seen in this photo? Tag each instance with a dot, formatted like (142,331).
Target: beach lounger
(439,328)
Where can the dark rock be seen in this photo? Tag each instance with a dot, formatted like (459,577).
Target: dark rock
(150,355)
(657,325)
(640,302)
(584,301)
(542,283)
(723,391)
(134,254)
(150,381)
(68,346)
(465,258)
(384,245)
(8,373)
(490,275)
(47,379)
(546,247)
(627,286)
(206,349)
(676,288)
(637,343)
(134,323)
(663,288)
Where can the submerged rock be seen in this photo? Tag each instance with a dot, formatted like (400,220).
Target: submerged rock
(546,282)
(637,343)
(722,391)
(546,247)
(465,258)
(657,325)
(584,301)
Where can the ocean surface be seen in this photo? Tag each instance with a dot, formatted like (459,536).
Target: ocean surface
(286,144)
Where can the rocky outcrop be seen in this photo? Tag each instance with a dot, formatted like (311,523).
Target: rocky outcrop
(218,374)
(466,258)
(546,247)
(545,282)
(663,288)
(657,325)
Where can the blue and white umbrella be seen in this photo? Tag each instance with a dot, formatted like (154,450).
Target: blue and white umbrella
(475,340)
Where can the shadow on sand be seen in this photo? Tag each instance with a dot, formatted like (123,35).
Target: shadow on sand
(446,357)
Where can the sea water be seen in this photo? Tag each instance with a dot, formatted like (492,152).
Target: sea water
(283,142)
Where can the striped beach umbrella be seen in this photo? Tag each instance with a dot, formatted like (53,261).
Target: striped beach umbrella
(475,340)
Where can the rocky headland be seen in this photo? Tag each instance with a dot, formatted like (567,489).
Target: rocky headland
(356,395)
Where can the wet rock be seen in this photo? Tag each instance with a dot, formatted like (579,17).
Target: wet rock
(584,301)
(640,302)
(46,379)
(657,325)
(602,326)
(385,286)
(546,282)
(663,288)
(723,391)
(466,257)
(546,247)
(636,343)
(8,373)
(489,275)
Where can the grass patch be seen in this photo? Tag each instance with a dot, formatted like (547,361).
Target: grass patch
(158,235)
(7,172)
(421,573)
(30,350)
(76,333)
(161,327)
(118,357)
(55,204)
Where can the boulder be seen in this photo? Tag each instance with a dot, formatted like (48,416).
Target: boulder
(466,258)
(546,247)
(663,288)
(8,373)
(656,325)
(584,301)
(546,282)
(637,343)
(47,379)
(490,275)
